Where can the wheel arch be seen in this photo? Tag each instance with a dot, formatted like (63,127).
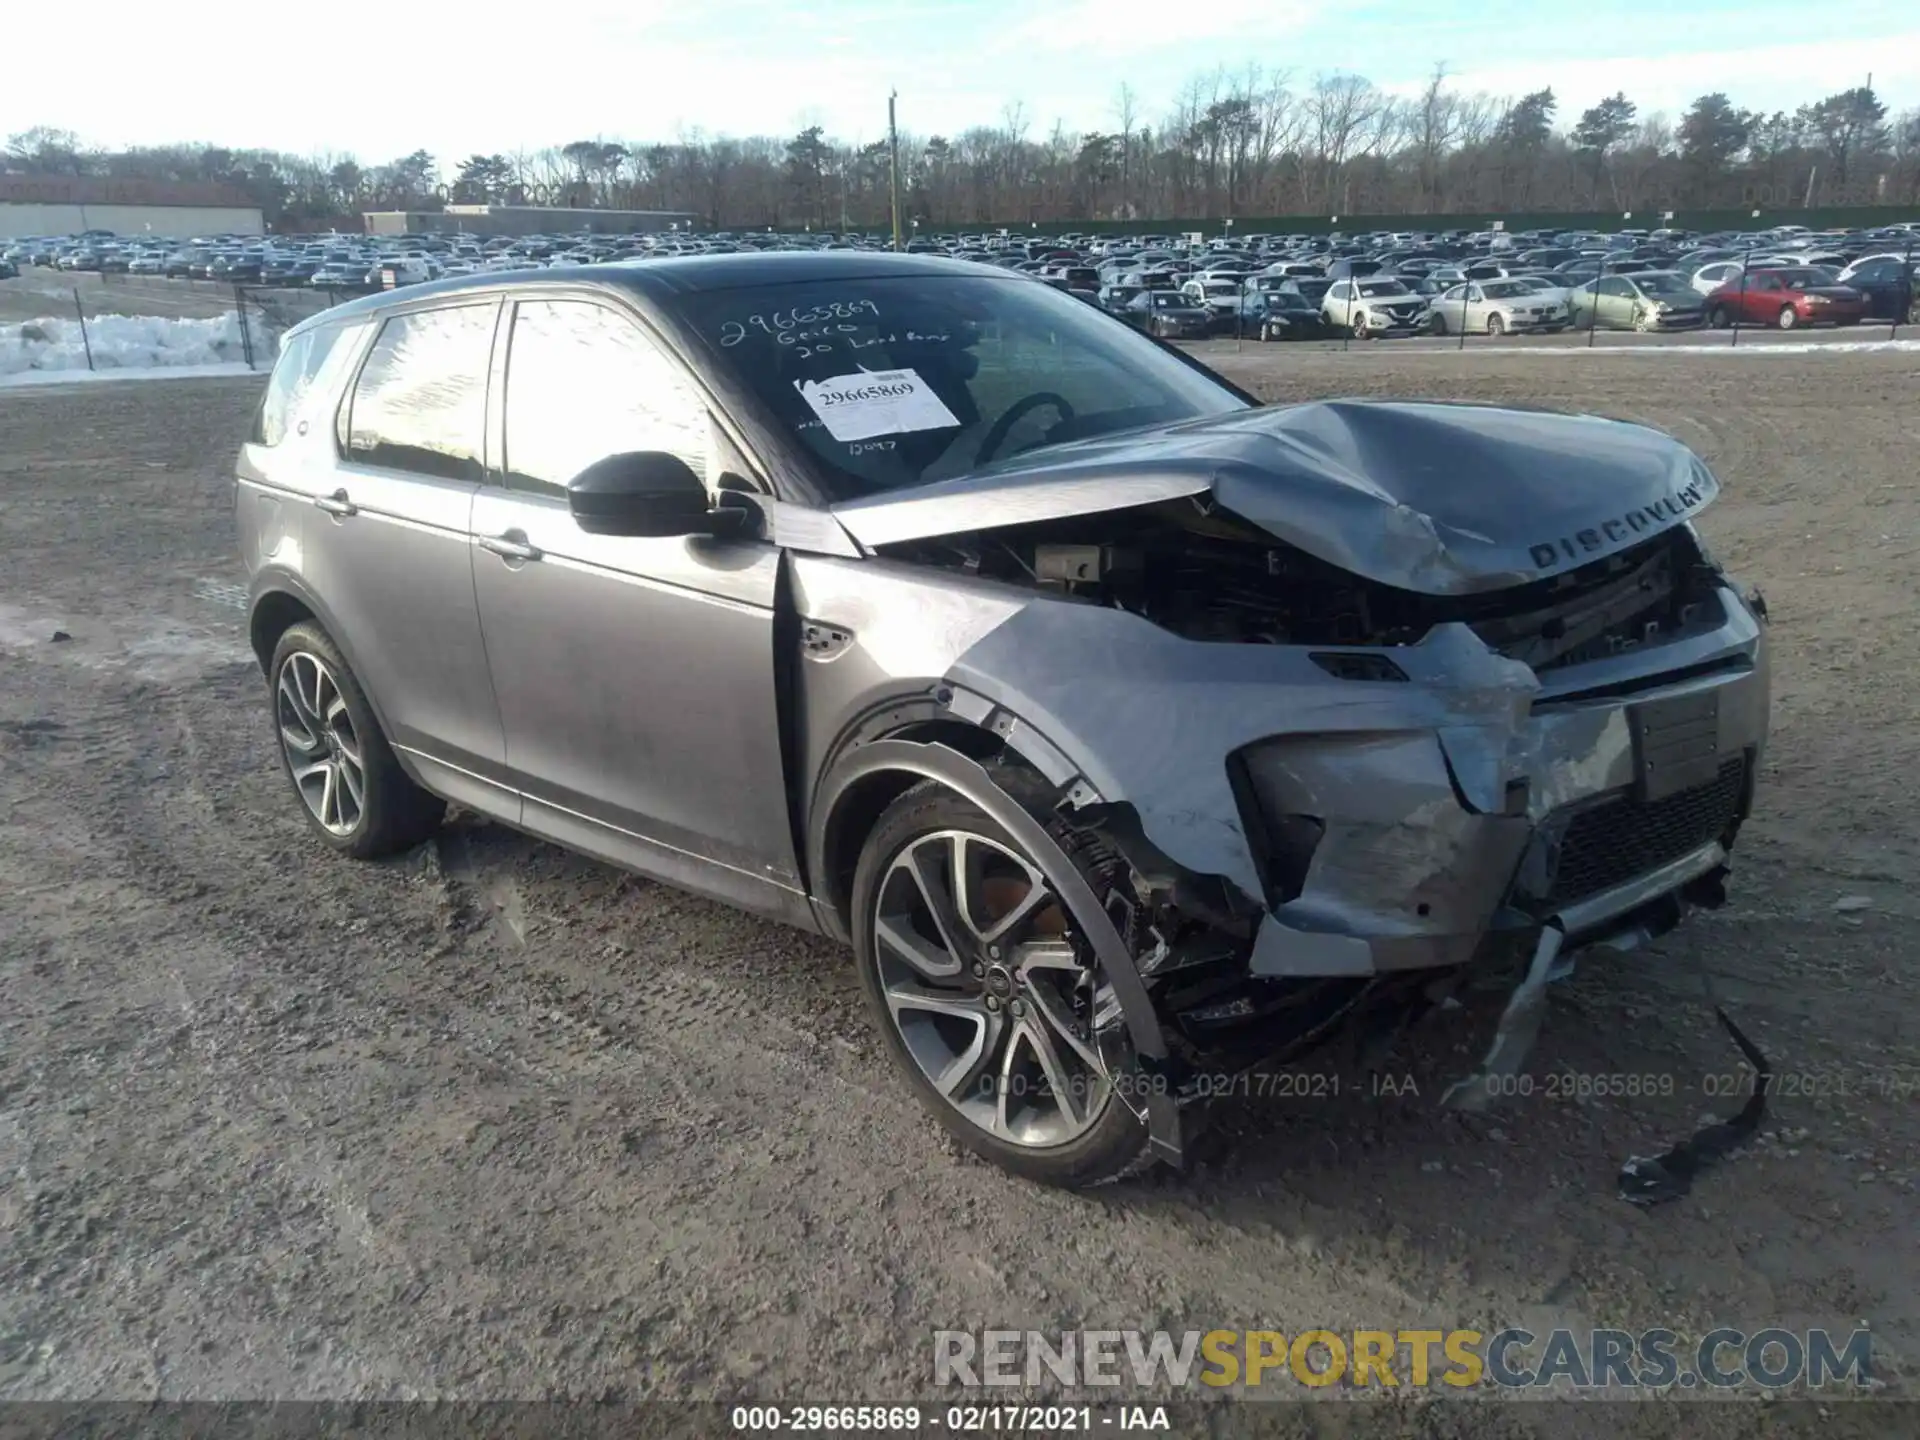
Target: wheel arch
(886,763)
(846,806)
(278,602)
(274,612)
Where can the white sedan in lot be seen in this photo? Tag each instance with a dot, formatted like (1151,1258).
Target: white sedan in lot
(1497,307)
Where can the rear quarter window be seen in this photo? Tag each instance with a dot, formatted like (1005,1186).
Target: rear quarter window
(294,374)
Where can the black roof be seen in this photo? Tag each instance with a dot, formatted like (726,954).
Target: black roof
(678,275)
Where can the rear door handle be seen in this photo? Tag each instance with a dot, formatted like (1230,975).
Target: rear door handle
(510,546)
(336,504)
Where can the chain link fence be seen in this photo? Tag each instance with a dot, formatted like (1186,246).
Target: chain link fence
(108,322)
(110,310)
(266,313)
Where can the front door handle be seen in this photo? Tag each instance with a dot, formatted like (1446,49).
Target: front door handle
(336,504)
(510,546)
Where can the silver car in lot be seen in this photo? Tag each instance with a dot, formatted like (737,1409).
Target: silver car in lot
(1129,731)
(1496,307)
(1651,300)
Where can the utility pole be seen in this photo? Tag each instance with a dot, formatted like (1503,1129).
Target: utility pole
(893,165)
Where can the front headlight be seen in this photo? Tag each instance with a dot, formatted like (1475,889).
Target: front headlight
(1819,299)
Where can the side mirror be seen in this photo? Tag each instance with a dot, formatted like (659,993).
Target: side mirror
(645,492)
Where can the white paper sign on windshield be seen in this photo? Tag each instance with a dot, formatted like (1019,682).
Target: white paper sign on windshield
(876,402)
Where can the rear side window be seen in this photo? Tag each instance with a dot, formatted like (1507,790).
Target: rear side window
(294,373)
(420,403)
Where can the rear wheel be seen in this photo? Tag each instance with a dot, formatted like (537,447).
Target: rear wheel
(988,995)
(1438,324)
(356,797)
(1718,318)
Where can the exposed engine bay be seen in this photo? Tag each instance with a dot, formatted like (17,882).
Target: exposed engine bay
(1203,574)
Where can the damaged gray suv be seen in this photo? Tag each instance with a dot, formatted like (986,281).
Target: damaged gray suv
(1127,730)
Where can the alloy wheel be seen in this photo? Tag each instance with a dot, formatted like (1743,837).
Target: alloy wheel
(986,990)
(323,750)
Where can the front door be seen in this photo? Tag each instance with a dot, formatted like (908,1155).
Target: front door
(635,677)
(389,550)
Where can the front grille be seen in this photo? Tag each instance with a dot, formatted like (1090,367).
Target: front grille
(1612,843)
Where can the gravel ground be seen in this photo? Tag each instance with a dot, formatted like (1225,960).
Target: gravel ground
(494,1121)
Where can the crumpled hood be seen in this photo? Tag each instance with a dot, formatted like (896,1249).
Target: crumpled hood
(1436,498)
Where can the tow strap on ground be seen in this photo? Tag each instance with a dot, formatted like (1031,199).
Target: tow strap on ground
(1648,1181)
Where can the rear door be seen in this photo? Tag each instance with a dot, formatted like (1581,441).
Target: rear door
(1617,301)
(389,552)
(1762,298)
(635,676)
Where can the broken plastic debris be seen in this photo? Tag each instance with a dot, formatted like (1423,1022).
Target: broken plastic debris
(1648,1180)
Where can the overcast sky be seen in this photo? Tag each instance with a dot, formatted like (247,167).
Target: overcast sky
(457,78)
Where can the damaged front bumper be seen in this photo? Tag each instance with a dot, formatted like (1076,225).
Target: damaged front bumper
(1408,809)
(1620,785)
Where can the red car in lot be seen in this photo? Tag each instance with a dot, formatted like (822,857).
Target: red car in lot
(1786,297)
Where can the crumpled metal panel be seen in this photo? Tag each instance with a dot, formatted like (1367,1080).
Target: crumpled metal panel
(1429,790)
(1435,498)
(1151,718)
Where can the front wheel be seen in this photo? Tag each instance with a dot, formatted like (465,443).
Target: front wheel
(988,995)
(1787,318)
(1496,326)
(356,797)
(1358,325)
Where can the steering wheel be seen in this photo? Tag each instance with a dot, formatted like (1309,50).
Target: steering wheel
(996,435)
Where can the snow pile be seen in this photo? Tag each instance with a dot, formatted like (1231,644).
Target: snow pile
(127,342)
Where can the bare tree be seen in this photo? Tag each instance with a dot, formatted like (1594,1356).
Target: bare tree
(1126,109)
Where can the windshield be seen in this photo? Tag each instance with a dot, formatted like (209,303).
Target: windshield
(889,382)
(1663,284)
(1373,289)
(1505,289)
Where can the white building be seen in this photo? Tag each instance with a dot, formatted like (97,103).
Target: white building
(66,205)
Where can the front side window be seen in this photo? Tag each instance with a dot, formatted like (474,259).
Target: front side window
(584,382)
(420,403)
(885,382)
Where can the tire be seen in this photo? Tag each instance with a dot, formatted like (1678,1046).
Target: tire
(1357,326)
(1439,323)
(1496,326)
(1718,319)
(1787,319)
(314,695)
(970,1026)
